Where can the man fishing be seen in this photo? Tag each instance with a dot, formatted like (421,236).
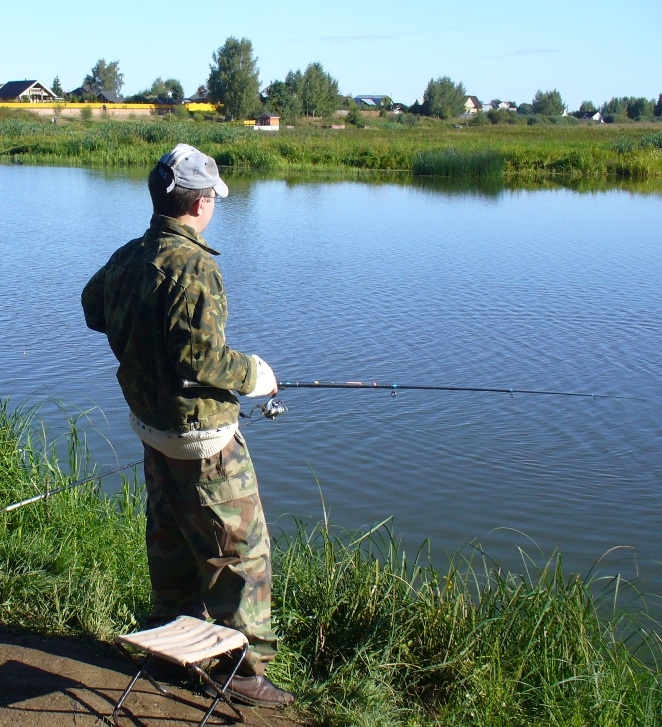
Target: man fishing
(160,301)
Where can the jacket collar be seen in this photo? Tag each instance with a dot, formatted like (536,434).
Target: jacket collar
(161,223)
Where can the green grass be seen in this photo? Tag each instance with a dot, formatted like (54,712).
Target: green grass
(73,563)
(510,153)
(367,637)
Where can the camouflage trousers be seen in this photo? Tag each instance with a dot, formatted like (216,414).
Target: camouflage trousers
(208,547)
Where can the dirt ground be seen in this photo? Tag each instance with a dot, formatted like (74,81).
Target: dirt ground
(60,682)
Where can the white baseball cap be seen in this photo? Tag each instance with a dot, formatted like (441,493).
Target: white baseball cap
(186,166)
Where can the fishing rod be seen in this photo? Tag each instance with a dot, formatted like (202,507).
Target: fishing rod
(276,407)
(91,478)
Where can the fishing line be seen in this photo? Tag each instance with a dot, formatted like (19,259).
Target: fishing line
(394,388)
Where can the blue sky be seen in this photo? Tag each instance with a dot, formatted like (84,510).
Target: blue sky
(508,49)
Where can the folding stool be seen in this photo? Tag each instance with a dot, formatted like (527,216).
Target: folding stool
(189,642)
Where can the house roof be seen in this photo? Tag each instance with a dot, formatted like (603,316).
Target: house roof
(82,91)
(14,89)
(370,100)
(109,97)
(474,99)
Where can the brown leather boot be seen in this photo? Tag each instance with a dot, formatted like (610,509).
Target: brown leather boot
(256,691)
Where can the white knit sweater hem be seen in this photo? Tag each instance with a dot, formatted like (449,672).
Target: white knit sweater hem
(197,444)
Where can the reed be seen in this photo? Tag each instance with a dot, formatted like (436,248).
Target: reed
(478,164)
(379,641)
(368,637)
(571,151)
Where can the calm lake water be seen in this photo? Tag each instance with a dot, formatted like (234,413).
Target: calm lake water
(393,283)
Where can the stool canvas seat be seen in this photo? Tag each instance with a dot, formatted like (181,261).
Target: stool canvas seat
(192,644)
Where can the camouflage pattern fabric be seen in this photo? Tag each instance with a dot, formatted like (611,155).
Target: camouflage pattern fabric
(161,302)
(207,544)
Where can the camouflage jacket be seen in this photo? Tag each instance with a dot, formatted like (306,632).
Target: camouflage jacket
(160,301)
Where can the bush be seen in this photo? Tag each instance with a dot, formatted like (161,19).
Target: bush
(653,140)
(407,119)
(624,145)
(355,117)
(480,119)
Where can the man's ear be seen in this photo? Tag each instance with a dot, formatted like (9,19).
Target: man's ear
(195,210)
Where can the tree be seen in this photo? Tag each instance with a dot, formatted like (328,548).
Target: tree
(587,107)
(105,77)
(171,88)
(234,78)
(160,89)
(56,87)
(444,99)
(639,108)
(548,103)
(319,91)
(285,97)
(657,109)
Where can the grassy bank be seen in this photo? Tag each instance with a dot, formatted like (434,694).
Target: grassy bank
(429,148)
(368,638)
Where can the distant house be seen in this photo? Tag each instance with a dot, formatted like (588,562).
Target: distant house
(508,105)
(26,91)
(267,122)
(198,98)
(82,91)
(108,97)
(472,105)
(100,96)
(371,101)
(593,116)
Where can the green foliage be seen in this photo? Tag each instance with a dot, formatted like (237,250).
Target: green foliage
(371,639)
(639,108)
(56,87)
(618,110)
(234,78)
(285,97)
(86,114)
(657,109)
(354,117)
(548,103)
(407,119)
(171,88)
(479,119)
(478,164)
(504,116)
(587,107)
(105,76)
(443,99)
(651,140)
(319,91)
(73,563)
(394,143)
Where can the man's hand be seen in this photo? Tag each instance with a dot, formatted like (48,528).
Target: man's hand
(266,384)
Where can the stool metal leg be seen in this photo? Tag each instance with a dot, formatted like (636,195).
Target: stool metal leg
(218,688)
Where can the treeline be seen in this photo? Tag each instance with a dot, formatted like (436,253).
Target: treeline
(233,82)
